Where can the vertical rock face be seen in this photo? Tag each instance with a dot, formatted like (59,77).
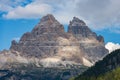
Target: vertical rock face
(48,49)
(48,24)
(92,45)
(48,42)
(42,39)
(80,29)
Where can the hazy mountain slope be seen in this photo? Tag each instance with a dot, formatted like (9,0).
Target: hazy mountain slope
(110,62)
(20,71)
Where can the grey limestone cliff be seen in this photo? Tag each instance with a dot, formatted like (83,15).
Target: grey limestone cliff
(50,52)
(48,40)
(92,45)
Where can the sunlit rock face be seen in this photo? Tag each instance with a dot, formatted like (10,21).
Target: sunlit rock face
(48,39)
(41,41)
(90,43)
(50,46)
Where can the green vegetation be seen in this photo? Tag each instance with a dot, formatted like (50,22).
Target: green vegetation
(21,71)
(112,75)
(106,69)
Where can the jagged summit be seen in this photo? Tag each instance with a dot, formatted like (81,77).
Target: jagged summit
(48,24)
(80,29)
(48,46)
(88,40)
(77,21)
(49,17)
(52,46)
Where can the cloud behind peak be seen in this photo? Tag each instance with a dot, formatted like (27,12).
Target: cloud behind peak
(99,14)
(112,46)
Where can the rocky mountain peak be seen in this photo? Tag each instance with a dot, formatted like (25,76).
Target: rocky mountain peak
(49,18)
(49,42)
(48,45)
(81,31)
(88,39)
(76,21)
(79,28)
(48,24)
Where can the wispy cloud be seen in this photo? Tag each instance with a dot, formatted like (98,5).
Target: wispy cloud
(16,39)
(115,30)
(99,14)
(32,10)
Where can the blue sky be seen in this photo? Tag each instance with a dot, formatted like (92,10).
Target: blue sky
(20,16)
(13,30)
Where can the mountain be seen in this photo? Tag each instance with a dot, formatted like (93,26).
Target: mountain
(21,71)
(49,46)
(91,44)
(48,42)
(103,68)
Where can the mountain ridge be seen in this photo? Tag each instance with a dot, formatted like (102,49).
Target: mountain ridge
(48,41)
(49,50)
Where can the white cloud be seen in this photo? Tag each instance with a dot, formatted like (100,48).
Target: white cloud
(8,5)
(115,30)
(99,14)
(16,39)
(112,46)
(33,10)
(4,7)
